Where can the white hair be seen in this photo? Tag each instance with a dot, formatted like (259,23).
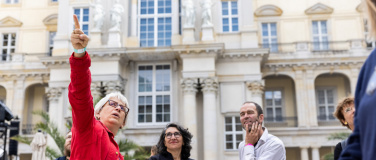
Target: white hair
(98,107)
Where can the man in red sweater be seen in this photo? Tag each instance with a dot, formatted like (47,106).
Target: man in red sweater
(93,131)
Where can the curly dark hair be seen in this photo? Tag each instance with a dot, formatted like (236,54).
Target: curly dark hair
(187,136)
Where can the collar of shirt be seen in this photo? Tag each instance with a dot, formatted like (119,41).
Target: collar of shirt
(263,137)
(108,131)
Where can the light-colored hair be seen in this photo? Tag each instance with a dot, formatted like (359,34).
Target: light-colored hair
(371,9)
(98,107)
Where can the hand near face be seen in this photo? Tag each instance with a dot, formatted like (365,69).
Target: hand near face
(252,133)
(78,38)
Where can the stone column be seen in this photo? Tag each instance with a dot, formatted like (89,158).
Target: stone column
(257,90)
(311,98)
(189,87)
(209,90)
(56,110)
(300,99)
(304,153)
(19,96)
(62,39)
(315,153)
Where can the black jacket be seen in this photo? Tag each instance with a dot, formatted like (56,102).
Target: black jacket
(166,156)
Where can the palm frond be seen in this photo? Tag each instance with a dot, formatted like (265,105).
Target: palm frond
(20,139)
(127,145)
(52,154)
(338,136)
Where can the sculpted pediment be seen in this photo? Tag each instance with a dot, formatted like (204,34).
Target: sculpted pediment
(10,22)
(319,8)
(50,20)
(268,10)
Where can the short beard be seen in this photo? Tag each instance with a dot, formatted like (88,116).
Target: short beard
(67,152)
(250,125)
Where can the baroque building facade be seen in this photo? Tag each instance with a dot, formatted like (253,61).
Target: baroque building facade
(191,62)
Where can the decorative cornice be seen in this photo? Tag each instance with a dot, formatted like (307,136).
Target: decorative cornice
(54,93)
(210,85)
(268,10)
(25,74)
(199,48)
(319,8)
(254,54)
(10,22)
(55,61)
(189,85)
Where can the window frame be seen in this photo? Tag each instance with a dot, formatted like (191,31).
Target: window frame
(154,94)
(230,16)
(322,44)
(155,17)
(234,133)
(51,46)
(270,37)
(80,18)
(327,113)
(8,47)
(372,44)
(12,2)
(273,107)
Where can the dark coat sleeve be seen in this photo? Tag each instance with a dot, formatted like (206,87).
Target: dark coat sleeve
(337,151)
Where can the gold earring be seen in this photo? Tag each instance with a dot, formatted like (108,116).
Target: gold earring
(345,123)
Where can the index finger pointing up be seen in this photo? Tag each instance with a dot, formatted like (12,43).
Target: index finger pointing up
(76,23)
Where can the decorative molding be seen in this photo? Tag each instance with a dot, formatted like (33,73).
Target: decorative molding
(360,7)
(268,10)
(254,54)
(210,85)
(55,61)
(256,87)
(23,74)
(10,22)
(319,8)
(50,20)
(189,85)
(114,86)
(54,93)
(95,88)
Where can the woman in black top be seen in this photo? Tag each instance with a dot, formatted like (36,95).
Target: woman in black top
(174,144)
(345,114)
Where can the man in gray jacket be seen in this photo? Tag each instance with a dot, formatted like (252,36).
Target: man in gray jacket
(258,144)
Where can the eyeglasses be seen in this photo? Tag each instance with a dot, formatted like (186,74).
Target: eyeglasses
(169,135)
(115,104)
(348,109)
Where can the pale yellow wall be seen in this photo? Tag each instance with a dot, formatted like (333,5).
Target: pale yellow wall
(292,153)
(104,68)
(34,99)
(338,82)
(287,86)
(294,25)
(238,68)
(205,64)
(232,96)
(32,35)
(3,93)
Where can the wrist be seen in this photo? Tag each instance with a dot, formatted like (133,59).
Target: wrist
(249,144)
(80,51)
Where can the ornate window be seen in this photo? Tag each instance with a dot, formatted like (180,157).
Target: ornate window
(230,18)
(369,42)
(320,35)
(326,103)
(154,93)
(51,42)
(83,18)
(269,36)
(155,23)
(8,45)
(273,105)
(233,132)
